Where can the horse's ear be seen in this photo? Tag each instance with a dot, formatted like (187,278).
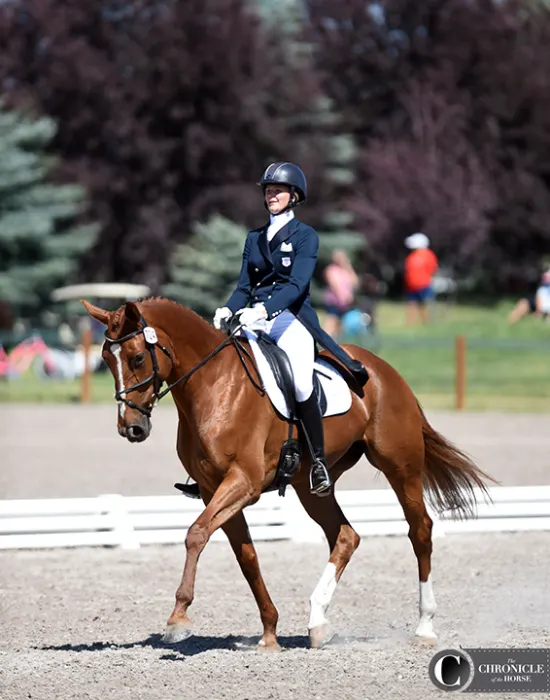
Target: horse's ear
(133,314)
(101,315)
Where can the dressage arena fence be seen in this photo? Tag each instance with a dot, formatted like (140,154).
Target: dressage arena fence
(129,522)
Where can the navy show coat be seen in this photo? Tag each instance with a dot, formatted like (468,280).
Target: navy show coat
(278,275)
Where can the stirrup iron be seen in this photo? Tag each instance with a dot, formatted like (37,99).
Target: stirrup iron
(324,487)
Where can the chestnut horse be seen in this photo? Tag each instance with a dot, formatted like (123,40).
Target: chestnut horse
(230,437)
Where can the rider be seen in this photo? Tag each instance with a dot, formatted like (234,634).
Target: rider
(272,295)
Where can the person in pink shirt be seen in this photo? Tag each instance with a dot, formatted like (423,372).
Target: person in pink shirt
(341,284)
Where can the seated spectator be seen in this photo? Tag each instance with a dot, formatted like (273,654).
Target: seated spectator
(537,304)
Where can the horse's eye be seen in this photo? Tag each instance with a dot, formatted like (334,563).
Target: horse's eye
(139,359)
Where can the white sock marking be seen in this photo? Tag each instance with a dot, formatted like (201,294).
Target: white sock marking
(117,352)
(321,596)
(427,607)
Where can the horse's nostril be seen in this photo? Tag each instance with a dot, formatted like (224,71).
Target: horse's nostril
(135,432)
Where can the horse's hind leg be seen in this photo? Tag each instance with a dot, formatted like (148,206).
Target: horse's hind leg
(238,534)
(343,541)
(407,484)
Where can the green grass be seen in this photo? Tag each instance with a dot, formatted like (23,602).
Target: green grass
(508,367)
(29,389)
(479,321)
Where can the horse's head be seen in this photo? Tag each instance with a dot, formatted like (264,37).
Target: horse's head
(131,352)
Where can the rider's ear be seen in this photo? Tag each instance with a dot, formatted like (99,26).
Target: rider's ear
(133,314)
(101,315)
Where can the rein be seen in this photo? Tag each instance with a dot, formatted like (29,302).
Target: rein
(151,341)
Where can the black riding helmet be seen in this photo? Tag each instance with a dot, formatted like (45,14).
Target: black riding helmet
(286,174)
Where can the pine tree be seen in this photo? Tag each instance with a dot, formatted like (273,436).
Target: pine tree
(335,187)
(40,246)
(337,230)
(202,277)
(168,113)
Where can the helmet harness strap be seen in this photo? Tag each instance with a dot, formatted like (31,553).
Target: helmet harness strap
(293,202)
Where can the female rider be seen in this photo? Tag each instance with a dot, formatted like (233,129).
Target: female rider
(272,295)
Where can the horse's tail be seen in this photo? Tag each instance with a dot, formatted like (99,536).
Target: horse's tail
(450,476)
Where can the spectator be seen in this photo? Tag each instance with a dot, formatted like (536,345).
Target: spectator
(420,266)
(339,297)
(537,304)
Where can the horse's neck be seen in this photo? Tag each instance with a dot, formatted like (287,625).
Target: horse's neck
(192,340)
(191,337)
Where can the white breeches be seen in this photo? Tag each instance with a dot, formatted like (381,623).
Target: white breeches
(293,337)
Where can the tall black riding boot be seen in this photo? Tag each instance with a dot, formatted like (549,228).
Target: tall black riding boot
(312,422)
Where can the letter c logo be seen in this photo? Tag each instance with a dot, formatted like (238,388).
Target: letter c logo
(450,670)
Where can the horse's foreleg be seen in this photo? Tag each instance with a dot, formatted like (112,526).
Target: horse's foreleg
(343,541)
(238,534)
(233,494)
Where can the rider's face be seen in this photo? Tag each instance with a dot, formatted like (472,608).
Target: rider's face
(277,198)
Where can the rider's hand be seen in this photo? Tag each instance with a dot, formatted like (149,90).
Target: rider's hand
(224,313)
(248,317)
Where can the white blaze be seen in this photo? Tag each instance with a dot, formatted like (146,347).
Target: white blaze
(117,352)
(321,596)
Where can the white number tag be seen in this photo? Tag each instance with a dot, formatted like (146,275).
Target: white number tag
(150,335)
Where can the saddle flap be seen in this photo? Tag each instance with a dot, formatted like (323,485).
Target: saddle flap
(280,366)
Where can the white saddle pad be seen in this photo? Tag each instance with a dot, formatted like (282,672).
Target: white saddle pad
(337,392)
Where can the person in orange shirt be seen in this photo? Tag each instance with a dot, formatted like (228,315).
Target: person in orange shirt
(420,266)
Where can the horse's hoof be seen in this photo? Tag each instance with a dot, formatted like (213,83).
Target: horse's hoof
(320,636)
(426,639)
(177,632)
(268,648)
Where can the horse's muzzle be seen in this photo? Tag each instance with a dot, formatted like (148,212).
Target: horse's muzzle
(137,432)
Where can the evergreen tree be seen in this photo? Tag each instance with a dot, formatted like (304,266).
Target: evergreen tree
(203,279)
(335,187)
(205,270)
(337,230)
(168,112)
(40,245)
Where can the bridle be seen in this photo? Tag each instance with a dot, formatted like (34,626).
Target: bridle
(151,342)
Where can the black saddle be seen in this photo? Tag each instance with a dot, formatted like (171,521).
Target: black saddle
(282,371)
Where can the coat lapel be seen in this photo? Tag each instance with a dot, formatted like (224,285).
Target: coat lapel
(283,234)
(262,242)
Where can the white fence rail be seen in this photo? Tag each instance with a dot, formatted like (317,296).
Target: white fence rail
(129,522)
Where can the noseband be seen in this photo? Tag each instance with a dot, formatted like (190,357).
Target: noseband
(151,341)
